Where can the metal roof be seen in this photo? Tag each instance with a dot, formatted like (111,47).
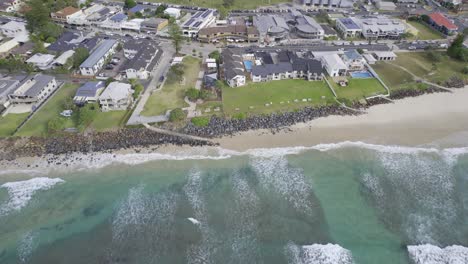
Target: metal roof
(101,50)
(89,89)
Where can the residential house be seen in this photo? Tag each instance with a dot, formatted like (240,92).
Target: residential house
(94,63)
(67,15)
(63,59)
(10,5)
(334,65)
(232,32)
(272,72)
(211,66)
(348,27)
(306,68)
(88,93)
(41,61)
(353,60)
(233,68)
(7,44)
(307,27)
(385,5)
(328,3)
(197,21)
(116,96)
(16,30)
(33,90)
(442,23)
(7,86)
(381,27)
(143,56)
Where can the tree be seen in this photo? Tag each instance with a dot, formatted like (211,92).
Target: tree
(177,115)
(160,10)
(457,50)
(137,89)
(109,80)
(465,70)
(130,3)
(192,94)
(38,46)
(176,73)
(138,14)
(37,16)
(80,55)
(175,34)
(86,114)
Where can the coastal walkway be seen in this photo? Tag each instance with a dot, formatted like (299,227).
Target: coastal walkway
(417,78)
(173,133)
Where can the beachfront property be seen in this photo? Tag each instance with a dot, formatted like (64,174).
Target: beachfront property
(7,85)
(353,60)
(348,27)
(10,5)
(41,61)
(88,93)
(442,23)
(93,64)
(67,15)
(197,21)
(233,68)
(143,56)
(229,32)
(33,90)
(333,64)
(116,96)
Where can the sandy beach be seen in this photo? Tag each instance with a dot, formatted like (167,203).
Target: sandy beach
(434,120)
(439,120)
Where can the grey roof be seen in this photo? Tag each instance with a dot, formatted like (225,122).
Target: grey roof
(232,64)
(352,55)
(308,24)
(101,50)
(270,23)
(7,86)
(348,23)
(328,30)
(41,81)
(89,89)
(144,58)
(307,65)
(267,69)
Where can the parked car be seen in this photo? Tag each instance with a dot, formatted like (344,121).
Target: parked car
(411,47)
(66,113)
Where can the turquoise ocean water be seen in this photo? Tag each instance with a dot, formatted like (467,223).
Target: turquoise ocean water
(341,203)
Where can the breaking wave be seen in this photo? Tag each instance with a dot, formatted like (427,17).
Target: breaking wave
(318,254)
(26,247)
(21,192)
(430,254)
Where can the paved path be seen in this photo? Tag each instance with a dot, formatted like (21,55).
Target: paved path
(159,70)
(172,133)
(417,78)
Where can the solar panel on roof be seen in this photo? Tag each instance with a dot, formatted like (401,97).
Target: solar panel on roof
(197,24)
(206,13)
(197,14)
(189,22)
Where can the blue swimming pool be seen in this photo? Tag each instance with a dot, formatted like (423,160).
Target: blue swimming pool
(248,65)
(361,75)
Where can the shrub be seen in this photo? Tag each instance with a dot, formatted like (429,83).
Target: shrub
(193,94)
(177,115)
(239,116)
(200,121)
(137,89)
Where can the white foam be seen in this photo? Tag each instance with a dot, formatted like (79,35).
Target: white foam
(21,192)
(80,161)
(318,254)
(193,220)
(430,254)
(26,247)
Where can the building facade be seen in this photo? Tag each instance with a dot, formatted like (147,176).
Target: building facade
(94,63)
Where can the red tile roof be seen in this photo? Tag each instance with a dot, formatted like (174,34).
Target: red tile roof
(441,20)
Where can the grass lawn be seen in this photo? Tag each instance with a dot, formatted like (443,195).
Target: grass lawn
(238,4)
(210,105)
(422,66)
(172,95)
(256,95)
(10,122)
(37,125)
(108,120)
(425,32)
(393,77)
(358,88)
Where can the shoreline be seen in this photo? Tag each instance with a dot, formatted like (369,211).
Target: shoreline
(438,120)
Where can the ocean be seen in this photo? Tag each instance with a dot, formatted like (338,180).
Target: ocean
(336,203)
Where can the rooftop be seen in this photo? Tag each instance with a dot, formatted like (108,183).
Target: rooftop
(101,50)
(116,91)
(441,20)
(39,81)
(348,23)
(89,89)
(267,69)
(69,10)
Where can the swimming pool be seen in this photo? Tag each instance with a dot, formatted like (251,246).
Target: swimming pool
(248,65)
(361,75)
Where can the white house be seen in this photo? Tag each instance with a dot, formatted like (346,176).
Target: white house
(117,96)
(353,60)
(384,55)
(7,44)
(348,27)
(33,90)
(198,21)
(173,12)
(11,5)
(67,15)
(334,65)
(16,30)
(94,63)
(143,56)
(41,61)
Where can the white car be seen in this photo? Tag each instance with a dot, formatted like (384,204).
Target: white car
(411,47)
(66,113)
